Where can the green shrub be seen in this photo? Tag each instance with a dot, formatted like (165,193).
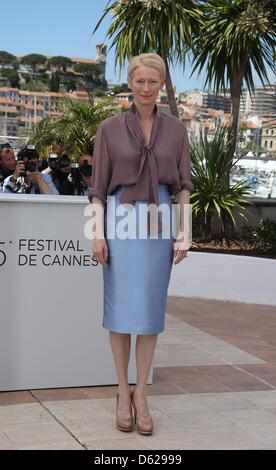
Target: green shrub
(210,164)
(262,236)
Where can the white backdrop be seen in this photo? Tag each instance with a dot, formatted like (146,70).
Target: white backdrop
(51,309)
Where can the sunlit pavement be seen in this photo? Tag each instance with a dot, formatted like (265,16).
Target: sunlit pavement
(214,387)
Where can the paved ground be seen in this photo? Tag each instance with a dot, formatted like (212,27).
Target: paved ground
(214,388)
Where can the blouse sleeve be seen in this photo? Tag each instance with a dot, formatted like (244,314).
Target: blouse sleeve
(101,170)
(184,166)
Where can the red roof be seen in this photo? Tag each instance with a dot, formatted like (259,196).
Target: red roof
(251,125)
(5,101)
(270,123)
(124,103)
(8,89)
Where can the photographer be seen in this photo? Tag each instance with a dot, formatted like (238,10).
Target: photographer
(7,162)
(79,180)
(58,168)
(43,165)
(26,177)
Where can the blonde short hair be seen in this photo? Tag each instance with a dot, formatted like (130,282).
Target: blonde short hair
(148,59)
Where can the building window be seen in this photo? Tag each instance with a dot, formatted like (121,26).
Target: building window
(272,131)
(271,143)
(265,143)
(266,131)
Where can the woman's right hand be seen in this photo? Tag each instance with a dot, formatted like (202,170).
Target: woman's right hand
(100,251)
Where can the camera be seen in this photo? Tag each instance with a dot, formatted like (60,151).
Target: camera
(28,155)
(86,169)
(64,162)
(52,160)
(58,163)
(30,148)
(75,169)
(53,156)
(75,175)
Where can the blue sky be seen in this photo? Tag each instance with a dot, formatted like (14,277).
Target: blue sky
(64,27)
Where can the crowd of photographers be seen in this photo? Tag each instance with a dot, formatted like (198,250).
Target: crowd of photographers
(27,174)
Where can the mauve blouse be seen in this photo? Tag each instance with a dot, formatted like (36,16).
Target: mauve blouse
(122,157)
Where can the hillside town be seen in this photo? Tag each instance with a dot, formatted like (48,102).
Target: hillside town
(83,80)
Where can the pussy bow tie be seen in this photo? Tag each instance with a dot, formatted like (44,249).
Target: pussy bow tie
(146,186)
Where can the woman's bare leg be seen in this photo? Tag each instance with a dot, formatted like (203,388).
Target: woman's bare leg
(145,347)
(120,345)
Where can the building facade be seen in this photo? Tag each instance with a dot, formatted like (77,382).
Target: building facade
(261,103)
(269,135)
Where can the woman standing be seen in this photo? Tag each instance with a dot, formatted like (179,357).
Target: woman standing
(141,158)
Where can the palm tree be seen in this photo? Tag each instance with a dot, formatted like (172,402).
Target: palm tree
(237,38)
(162,26)
(75,129)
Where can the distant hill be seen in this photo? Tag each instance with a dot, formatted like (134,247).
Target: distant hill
(36,72)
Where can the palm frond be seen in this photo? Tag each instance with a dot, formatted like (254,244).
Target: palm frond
(75,129)
(234,32)
(137,27)
(209,165)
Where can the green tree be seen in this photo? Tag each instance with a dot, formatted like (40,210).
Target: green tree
(11,76)
(7,58)
(162,26)
(75,130)
(60,62)
(104,83)
(88,70)
(33,60)
(35,85)
(237,37)
(26,77)
(97,92)
(55,82)
(123,88)
(70,85)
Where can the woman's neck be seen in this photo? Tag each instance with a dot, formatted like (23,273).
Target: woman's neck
(145,112)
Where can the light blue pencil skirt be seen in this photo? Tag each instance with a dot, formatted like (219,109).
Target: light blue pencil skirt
(138,273)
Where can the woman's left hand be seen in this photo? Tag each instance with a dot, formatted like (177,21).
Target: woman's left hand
(179,253)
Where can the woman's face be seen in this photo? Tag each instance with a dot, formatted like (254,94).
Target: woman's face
(145,82)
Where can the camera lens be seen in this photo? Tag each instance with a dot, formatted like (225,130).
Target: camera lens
(30,166)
